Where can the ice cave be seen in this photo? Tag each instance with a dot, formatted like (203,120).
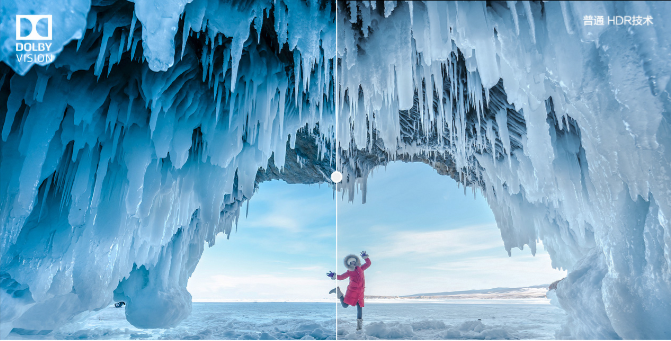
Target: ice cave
(158,119)
(141,141)
(563,127)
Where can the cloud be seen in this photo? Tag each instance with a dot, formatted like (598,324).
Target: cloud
(294,211)
(273,220)
(279,253)
(309,268)
(440,243)
(469,257)
(518,263)
(265,287)
(481,272)
(524,269)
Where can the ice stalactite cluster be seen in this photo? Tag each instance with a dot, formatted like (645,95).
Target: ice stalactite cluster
(140,142)
(564,127)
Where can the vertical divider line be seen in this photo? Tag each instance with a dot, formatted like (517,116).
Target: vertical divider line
(337,107)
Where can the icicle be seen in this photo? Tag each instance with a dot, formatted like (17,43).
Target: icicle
(513,11)
(530,19)
(132,32)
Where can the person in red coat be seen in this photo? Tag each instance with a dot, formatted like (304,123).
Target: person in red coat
(357,285)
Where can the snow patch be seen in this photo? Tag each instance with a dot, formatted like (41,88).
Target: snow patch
(427,329)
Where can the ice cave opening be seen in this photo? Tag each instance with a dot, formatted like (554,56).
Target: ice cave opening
(444,240)
(439,268)
(281,248)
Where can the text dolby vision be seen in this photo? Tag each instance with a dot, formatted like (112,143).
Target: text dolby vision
(34,52)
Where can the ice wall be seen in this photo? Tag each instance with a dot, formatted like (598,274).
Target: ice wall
(140,142)
(564,127)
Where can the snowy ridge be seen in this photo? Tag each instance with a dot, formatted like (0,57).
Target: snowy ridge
(120,159)
(565,128)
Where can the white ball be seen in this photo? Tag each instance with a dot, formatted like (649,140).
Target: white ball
(336,177)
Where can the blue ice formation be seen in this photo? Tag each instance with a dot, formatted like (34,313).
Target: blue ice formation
(140,141)
(562,123)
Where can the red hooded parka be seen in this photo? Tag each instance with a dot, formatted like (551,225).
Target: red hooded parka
(357,284)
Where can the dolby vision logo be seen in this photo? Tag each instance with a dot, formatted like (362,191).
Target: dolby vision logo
(34,20)
(34,45)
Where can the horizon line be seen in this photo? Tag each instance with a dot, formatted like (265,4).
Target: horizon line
(261,301)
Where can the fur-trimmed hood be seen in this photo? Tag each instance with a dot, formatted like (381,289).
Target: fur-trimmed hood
(347,258)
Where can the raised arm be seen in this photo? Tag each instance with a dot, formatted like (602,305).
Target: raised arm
(367,265)
(364,255)
(343,276)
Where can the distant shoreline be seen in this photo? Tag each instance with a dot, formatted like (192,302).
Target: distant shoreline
(326,300)
(534,292)
(526,293)
(459,297)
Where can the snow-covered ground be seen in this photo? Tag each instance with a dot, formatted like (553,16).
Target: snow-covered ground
(241,321)
(453,319)
(383,319)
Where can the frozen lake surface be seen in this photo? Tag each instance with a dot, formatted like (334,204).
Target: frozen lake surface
(242,321)
(385,319)
(453,319)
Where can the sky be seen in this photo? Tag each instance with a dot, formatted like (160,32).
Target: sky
(422,233)
(280,252)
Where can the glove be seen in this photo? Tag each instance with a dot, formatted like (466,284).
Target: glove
(364,255)
(331,274)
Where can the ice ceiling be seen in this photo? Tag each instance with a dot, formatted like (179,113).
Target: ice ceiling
(158,119)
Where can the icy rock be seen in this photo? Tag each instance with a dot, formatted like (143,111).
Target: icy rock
(160,21)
